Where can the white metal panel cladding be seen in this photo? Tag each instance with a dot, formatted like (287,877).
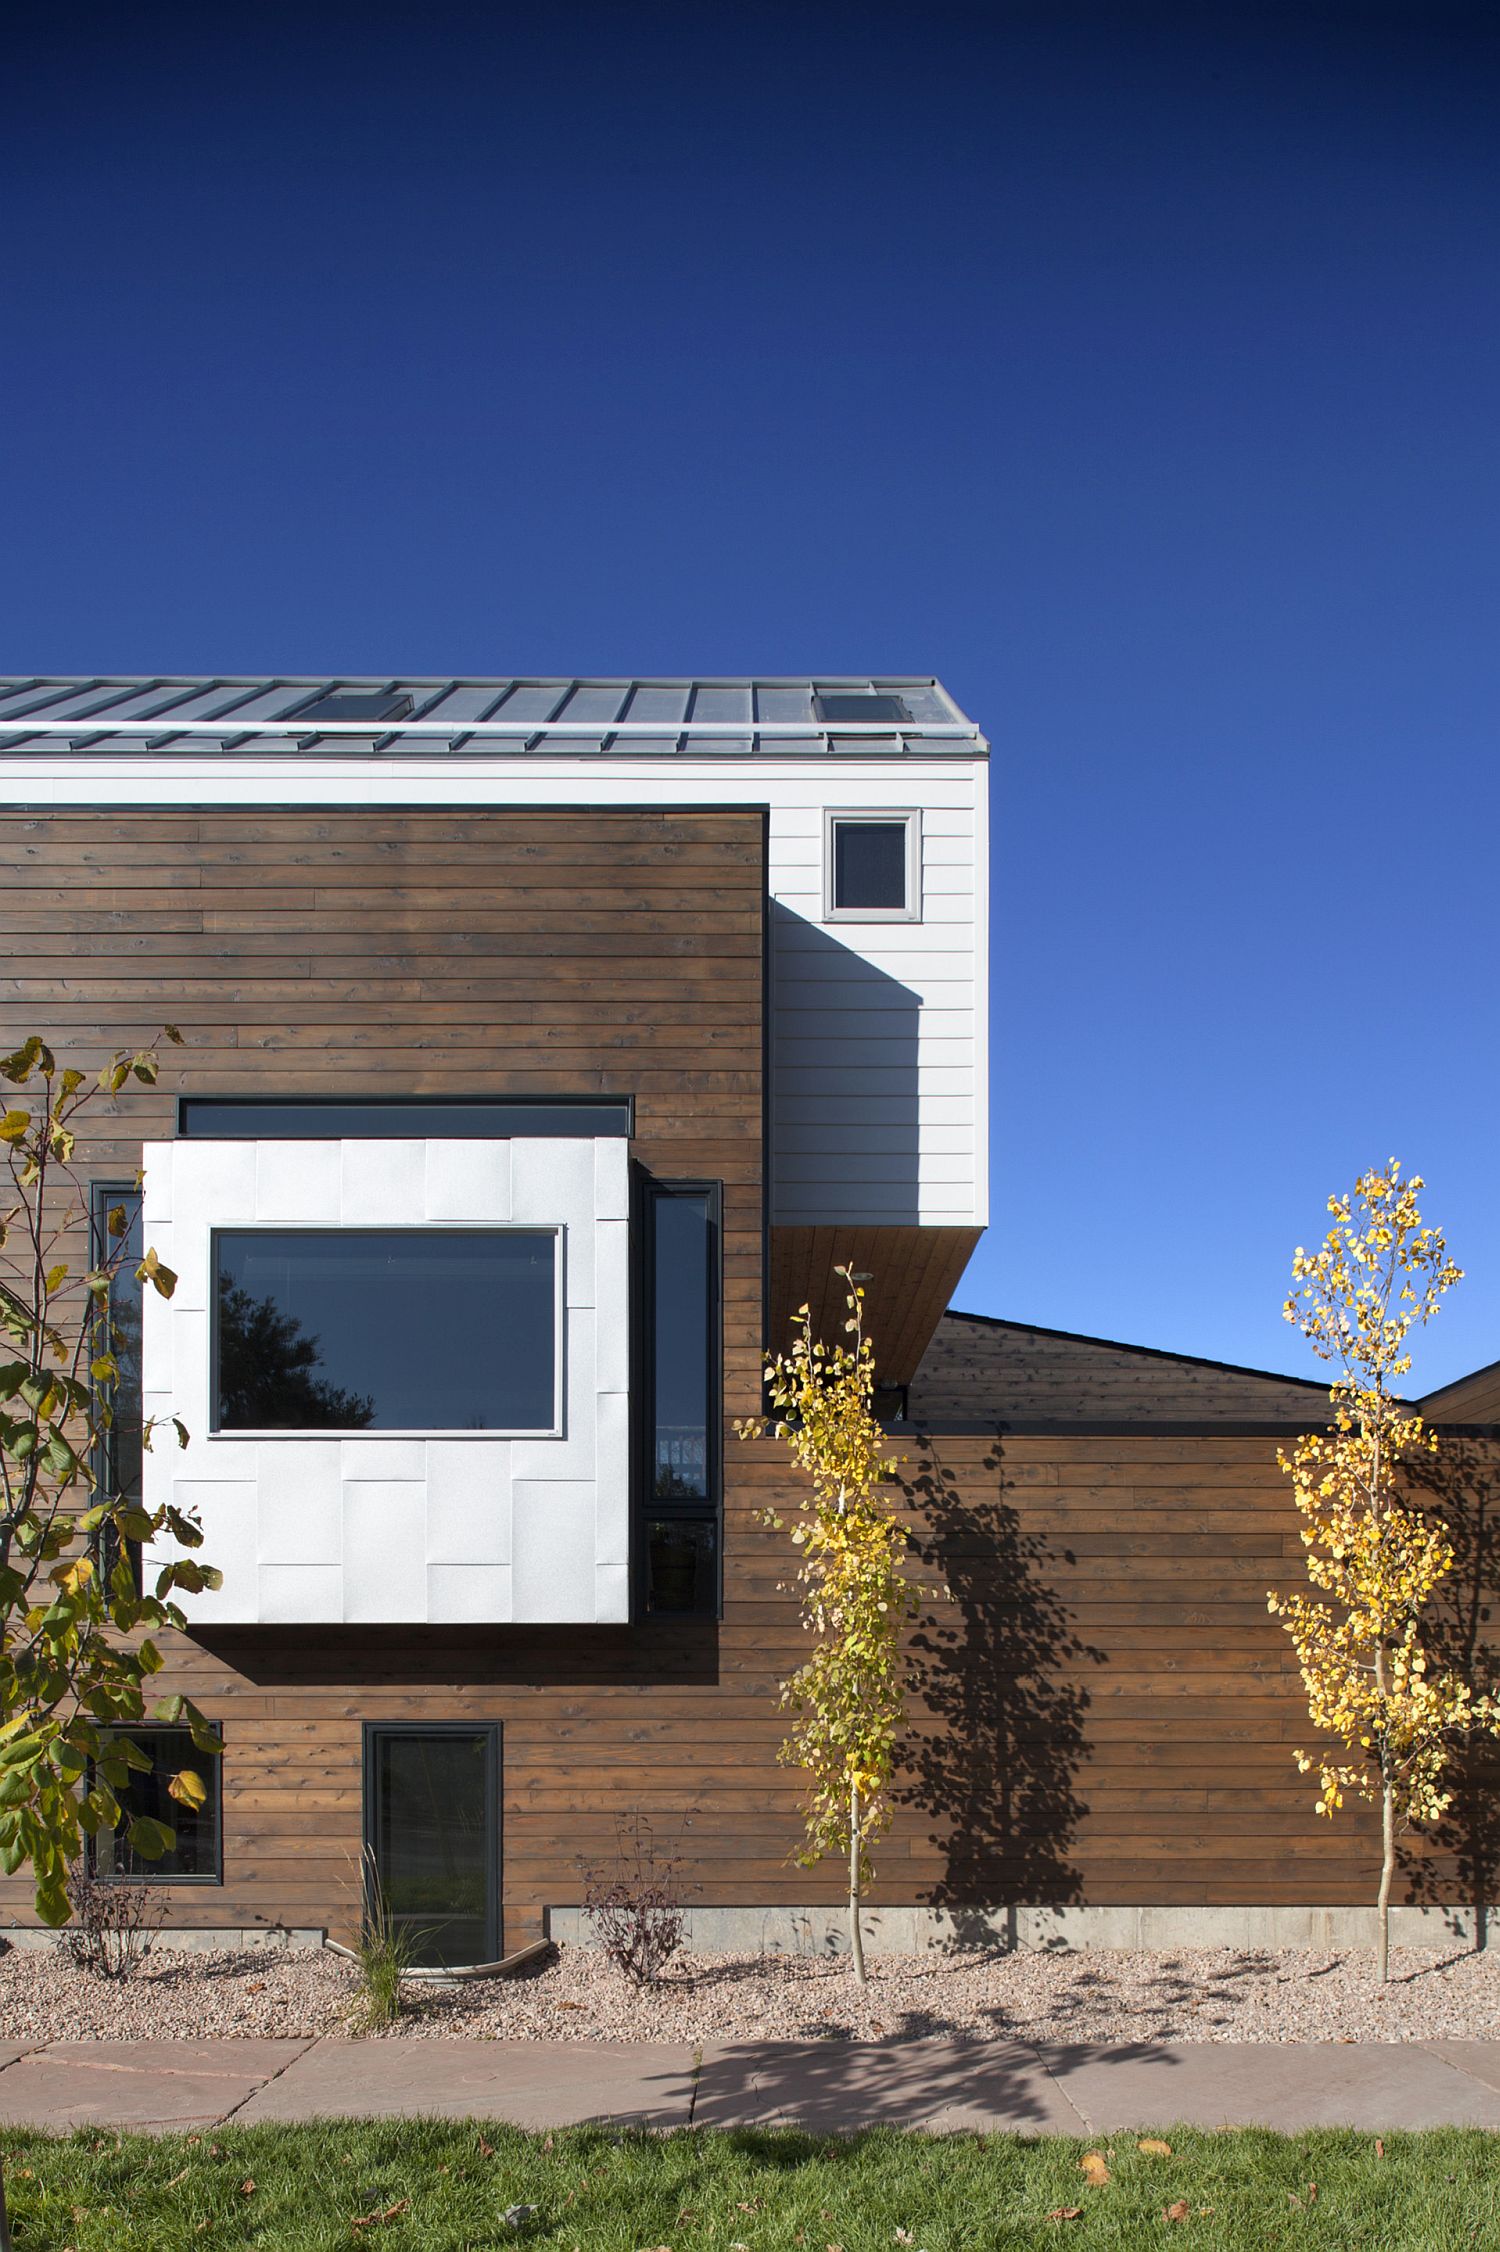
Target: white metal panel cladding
(380,1528)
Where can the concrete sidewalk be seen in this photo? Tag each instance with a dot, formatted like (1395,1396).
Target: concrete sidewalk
(830,2087)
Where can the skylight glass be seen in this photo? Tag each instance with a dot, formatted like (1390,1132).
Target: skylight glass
(356,703)
(844,705)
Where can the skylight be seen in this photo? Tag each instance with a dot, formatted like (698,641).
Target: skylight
(859,704)
(356,703)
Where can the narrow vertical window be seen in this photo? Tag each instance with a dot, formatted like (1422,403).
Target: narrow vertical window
(683,1412)
(432,1832)
(117,1464)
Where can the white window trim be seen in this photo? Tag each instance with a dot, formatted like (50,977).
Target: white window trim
(557,1428)
(884,816)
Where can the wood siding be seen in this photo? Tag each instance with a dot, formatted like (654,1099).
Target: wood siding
(912,1272)
(1474,1398)
(1106,1712)
(338,952)
(981,1371)
(880,1085)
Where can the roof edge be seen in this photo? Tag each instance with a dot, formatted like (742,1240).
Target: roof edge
(1147,1352)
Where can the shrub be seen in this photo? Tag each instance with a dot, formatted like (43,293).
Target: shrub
(112,1923)
(635,1906)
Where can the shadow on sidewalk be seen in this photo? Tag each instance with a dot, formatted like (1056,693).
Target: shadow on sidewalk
(841,2087)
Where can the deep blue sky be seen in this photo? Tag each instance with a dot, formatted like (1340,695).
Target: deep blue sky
(1134,370)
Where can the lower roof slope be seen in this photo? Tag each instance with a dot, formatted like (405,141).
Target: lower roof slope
(986,1373)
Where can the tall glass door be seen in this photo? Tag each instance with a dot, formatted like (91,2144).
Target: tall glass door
(432,1824)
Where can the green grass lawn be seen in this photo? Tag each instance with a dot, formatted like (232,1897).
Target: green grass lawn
(444,2187)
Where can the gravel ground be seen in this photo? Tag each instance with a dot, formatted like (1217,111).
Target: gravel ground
(1222,1994)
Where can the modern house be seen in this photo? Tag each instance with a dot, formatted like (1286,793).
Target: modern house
(547,1044)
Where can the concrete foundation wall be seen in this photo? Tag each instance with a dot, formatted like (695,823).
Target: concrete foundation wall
(909,1931)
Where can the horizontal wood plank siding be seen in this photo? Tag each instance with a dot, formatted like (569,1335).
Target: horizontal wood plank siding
(1105,1712)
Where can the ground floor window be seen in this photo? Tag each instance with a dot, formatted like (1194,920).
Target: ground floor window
(196,1855)
(432,1837)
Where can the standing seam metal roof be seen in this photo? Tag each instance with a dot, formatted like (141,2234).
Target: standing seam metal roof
(630,717)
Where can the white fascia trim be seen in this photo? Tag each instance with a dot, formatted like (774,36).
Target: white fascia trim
(167,778)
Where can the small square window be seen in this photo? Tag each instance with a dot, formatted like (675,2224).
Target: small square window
(873,867)
(195,1851)
(682,1566)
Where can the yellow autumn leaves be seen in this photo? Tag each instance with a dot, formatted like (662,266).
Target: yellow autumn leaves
(849,1696)
(1375,1558)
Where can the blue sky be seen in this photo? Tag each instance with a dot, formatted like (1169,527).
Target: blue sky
(1133,369)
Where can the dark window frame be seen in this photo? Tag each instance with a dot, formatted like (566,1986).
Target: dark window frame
(207,1762)
(371,1731)
(416,1118)
(648,1190)
(103,1197)
(427,1230)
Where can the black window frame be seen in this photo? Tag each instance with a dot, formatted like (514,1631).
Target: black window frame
(371,1732)
(104,1196)
(208,1764)
(428,1230)
(649,1189)
(415,1118)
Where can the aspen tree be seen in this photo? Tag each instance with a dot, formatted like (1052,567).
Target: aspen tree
(1379,1273)
(850,1695)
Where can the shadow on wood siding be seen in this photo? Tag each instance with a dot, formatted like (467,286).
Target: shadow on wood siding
(996,1666)
(657,1652)
(1462,1484)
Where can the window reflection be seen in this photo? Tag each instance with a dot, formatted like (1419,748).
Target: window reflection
(679,1550)
(196,1830)
(325,1329)
(683,1345)
(433,1831)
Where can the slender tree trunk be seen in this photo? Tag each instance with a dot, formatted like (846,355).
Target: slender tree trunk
(1387,1832)
(1387,1871)
(856,1936)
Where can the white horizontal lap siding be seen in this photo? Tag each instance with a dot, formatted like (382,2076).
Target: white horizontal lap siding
(877,1089)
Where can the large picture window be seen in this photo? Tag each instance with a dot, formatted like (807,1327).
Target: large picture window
(400,1329)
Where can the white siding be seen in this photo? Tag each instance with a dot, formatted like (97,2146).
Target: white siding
(878,1041)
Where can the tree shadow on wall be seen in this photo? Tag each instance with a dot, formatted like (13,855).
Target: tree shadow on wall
(1461,1484)
(995,1666)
